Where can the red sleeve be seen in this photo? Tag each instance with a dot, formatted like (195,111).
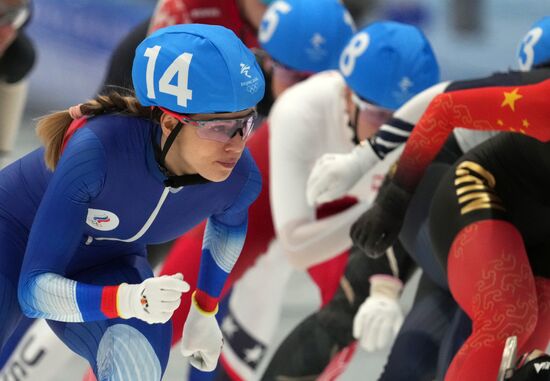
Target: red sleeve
(522,109)
(212,12)
(170,12)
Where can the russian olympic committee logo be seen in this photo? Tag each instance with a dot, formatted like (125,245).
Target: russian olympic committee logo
(102,219)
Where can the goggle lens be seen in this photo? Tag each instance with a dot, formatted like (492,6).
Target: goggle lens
(375,115)
(289,76)
(223,130)
(220,130)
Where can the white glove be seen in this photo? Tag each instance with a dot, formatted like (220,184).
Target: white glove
(154,300)
(379,317)
(202,339)
(333,175)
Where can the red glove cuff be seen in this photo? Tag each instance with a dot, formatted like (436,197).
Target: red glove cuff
(109,302)
(206,303)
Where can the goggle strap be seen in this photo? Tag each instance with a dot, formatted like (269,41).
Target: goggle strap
(353,125)
(169,141)
(171,180)
(184,180)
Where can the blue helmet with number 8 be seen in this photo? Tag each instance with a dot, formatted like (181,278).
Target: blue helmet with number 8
(387,63)
(534,48)
(306,35)
(196,69)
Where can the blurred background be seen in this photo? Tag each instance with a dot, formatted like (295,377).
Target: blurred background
(74,39)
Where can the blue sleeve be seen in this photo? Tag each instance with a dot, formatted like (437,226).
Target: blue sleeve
(56,232)
(224,237)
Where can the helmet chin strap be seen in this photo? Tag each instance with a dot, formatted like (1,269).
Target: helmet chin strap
(172,180)
(353,125)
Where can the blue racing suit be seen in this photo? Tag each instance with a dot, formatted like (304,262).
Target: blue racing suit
(66,235)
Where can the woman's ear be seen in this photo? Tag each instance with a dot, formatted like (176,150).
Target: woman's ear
(167,123)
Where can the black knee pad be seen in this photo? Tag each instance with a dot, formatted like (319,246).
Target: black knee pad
(413,357)
(304,353)
(534,370)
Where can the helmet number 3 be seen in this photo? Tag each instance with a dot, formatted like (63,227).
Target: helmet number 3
(180,67)
(527,48)
(353,50)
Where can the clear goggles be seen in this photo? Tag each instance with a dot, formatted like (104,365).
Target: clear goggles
(13,16)
(219,130)
(375,115)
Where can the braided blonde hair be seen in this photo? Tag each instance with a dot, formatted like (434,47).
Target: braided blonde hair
(51,128)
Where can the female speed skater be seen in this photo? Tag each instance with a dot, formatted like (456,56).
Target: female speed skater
(121,172)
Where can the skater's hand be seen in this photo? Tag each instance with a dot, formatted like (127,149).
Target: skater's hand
(377,229)
(202,339)
(531,366)
(333,175)
(380,317)
(154,300)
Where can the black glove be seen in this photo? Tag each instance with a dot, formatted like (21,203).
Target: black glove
(377,229)
(533,370)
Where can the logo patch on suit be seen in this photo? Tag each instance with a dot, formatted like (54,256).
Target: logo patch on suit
(102,219)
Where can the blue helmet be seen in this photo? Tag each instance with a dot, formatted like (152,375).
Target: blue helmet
(534,48)
(196,69)
(306,35)
(387,63)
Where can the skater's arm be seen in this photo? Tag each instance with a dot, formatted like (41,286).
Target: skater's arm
(309,242)
(334,174)
(223,241)
(169,12)
(521,109)
(297,136)
(56,232)
(295,140)
(398,129)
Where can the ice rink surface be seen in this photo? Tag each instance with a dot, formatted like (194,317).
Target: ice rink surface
(62,79)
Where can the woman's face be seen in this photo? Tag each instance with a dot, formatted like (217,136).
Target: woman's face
(282,78)
(191,154)
(7,35)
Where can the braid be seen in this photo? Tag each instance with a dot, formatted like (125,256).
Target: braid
(51,128)
(115,103)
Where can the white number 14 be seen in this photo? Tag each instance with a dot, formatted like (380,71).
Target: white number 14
(180,67)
